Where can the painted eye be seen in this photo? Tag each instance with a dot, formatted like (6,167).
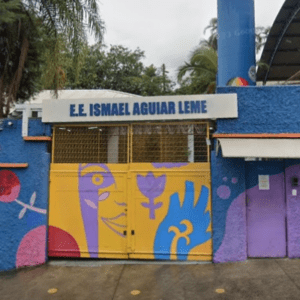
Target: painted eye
(100,175)
(97,179)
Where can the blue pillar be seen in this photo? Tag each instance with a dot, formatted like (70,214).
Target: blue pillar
(236,43)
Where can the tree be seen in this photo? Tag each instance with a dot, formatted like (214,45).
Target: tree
(90,67)
(120,69)
(198,75)
(261,35)
(154,82)
(20,54)
(110,69)
(212,41)
(9,11)
(25,26)
(121,65)
(201,69)
(167,84)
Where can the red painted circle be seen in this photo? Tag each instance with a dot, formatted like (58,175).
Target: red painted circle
(9,186)
(61,243)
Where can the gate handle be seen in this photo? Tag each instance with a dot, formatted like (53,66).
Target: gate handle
(125,232)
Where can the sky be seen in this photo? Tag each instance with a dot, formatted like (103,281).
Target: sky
(167,30)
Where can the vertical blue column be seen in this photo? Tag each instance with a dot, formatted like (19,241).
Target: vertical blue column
(236,43)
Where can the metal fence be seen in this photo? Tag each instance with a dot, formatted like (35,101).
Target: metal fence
(137,143)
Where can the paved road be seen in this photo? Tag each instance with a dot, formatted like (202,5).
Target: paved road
(255,279)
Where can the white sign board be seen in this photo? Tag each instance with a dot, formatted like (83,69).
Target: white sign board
(264,182)
(140,108)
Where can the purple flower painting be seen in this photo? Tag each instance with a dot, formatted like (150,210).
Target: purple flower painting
(151,188)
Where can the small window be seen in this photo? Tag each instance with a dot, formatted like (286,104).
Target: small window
(34,114)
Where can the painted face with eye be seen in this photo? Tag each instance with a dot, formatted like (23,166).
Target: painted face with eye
(96,182)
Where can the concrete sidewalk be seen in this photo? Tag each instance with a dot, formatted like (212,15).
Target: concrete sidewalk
(107,280)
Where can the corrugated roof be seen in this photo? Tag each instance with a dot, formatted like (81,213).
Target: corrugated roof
(282,49)
(79,94)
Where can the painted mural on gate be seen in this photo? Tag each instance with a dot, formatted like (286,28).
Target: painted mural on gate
(185,225)
(92,185)
(151,188)
(137,211)
(23,196)
(94,201)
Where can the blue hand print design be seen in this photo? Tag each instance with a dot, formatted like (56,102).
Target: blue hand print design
(184,227)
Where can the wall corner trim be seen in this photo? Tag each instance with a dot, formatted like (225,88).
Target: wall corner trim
(13,165)
(37,138)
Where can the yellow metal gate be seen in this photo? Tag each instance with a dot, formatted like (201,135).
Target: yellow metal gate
(137,191)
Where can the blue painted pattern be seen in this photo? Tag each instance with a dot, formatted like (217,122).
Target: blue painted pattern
(187,223)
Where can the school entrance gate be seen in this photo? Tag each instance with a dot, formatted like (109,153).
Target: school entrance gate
(131,191)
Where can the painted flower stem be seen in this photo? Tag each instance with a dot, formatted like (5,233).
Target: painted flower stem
(151,187)
(38,210)
(152,207)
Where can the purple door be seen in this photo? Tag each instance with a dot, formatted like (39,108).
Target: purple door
(266,209)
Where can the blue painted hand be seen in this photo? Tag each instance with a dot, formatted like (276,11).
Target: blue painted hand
(184,227)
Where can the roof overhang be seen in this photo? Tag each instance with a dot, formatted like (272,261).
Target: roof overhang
(259,145)
(282,50)
(263,148)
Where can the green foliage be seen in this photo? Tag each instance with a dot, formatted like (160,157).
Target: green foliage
(212,41)
(119,69)
(154,82)
(54,63)
(66,22)
(9,11)
(21,47)
(261,35)
(198,75)
(30,83)
(121,65)
(68,17)
(35,37)
(200,71)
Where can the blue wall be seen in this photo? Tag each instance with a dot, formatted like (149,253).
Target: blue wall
(260,110)
(273,109)
(23,231)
